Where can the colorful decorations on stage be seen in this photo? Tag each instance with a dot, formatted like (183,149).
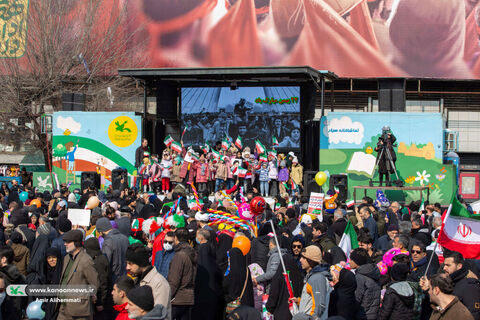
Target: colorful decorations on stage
(320,178)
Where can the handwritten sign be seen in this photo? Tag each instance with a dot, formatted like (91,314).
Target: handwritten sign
(315,205)
(79,217)
(13,28)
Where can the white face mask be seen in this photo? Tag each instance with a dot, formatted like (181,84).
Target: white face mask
(168,246)
(2,297)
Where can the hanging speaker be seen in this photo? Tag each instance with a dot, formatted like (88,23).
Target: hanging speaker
(117,176)
(340,181)
(90,179)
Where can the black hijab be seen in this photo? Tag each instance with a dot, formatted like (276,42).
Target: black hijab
(224,244)
(36,267)
(235,277)
(53,275)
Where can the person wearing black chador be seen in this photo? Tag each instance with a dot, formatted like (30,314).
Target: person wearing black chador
(385,144)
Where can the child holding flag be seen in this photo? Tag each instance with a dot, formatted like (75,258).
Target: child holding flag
(167,167)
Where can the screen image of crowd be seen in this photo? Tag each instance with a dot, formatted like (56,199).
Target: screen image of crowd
(251,113)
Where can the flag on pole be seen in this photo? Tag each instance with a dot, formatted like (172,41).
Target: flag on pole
(206,148)
(168,140)
(260,147)
(460,230)
(290,204)
(225,143)
(274,141)
(349,240)
(263,158)
(184,130)
(239,143)
(216,154)
(176,146)
(336,190)
(350,203)
(195,156)
(422,206)
(293,185)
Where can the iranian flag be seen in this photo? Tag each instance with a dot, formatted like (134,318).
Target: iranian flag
(184,130)
(216,154)
(350,203)
(349,240)
(242,172)
(239,143)
(206,148)
(460,231)
(274,141)
(290,204)
(177,147)
(225,143)
(260,147)
(168,140)
(272,153)
(422,206)
(293,185)
(263,158)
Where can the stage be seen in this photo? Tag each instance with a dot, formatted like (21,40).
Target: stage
(365,188)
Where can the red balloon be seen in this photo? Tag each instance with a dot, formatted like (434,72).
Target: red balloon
(257,205)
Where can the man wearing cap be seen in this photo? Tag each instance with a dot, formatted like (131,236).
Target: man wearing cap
(63,225)
(78,269)
(138,265)
(114,246)
(368,289)
(385,242)
(316,291)
(140,305)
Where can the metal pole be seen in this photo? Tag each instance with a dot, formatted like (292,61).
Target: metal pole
(145,107)
(322,97)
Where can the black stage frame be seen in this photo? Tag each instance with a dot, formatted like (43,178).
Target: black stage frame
(311,81)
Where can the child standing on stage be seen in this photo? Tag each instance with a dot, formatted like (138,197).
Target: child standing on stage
(167,167)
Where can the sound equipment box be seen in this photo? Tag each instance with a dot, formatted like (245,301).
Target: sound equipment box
(90,178)
(340,181)
(117,176)
(309,183)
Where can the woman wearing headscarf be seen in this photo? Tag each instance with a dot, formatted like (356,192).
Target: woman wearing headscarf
(53,274)
(277,303)
(342,298)
(225,240)
(102,266)
(237,279)
(36,268)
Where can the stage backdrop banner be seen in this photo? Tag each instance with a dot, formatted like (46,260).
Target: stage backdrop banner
(348,141)
(94,141)
(268,114)
(43,181)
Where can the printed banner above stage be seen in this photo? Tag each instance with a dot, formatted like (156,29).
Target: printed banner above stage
(94,141)
(348,141)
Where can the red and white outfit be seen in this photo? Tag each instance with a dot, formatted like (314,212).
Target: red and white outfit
(167,167)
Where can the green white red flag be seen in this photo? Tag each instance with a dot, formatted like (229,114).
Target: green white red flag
(184,130)
(216,154)
(239,143)
(263,158)
(168,140)
(225,143)
(272,153)
(460,230)
(260,147)
(349,239)
(206,148)
(177,147)
(274,141)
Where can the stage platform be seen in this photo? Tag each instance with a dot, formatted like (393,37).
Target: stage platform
(392,188)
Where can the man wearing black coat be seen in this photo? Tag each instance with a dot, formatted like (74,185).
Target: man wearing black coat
(335,231)
(208,280)
(139,154)
(466,286)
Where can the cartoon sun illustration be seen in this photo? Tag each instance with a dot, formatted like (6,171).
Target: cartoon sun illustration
(369,150)
(67,132)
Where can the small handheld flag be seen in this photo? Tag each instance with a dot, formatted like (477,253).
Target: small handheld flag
(260,147)
(168,140)
(225,143)
(183,133)
(239,143)
(274,141)
(177,147)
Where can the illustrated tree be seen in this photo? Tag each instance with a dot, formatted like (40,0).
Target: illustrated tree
(48,47)
(59,152)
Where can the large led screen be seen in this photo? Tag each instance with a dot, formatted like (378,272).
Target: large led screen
(251,113)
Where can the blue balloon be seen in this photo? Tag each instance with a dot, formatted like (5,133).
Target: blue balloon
(34,310)
(23,196)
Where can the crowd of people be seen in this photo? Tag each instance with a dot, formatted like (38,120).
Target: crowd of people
(163,257)
(223,166)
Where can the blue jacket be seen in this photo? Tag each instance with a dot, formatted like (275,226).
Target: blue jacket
(371,225)
(162,261)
